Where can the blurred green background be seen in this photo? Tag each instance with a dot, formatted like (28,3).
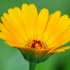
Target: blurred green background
(11,58)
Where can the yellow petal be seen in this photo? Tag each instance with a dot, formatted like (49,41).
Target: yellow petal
(42,22)
(34,14)
(61,35)
(50,16)
(30,15)
(62,49)
(8,25)
(26,18)
(19,13)
(62,19)
(51,24)
(54,49)
(3,29)
(14,44)
(60,27)
(10,39)
(11,28)
(61,40)
(17,21)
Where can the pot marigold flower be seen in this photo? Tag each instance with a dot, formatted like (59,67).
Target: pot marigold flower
(37,36)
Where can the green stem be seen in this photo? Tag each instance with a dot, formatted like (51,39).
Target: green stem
(32,66)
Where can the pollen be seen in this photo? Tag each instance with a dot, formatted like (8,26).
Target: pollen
(36,44)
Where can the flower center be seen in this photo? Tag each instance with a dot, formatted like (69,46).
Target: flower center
(36,44)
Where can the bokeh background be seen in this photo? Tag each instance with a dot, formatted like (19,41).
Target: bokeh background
(11,58)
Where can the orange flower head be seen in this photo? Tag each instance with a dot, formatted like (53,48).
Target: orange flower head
(37,36)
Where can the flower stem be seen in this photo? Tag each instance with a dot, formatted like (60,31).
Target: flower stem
(32,66)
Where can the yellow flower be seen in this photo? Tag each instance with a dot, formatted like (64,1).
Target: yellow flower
(36,35)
